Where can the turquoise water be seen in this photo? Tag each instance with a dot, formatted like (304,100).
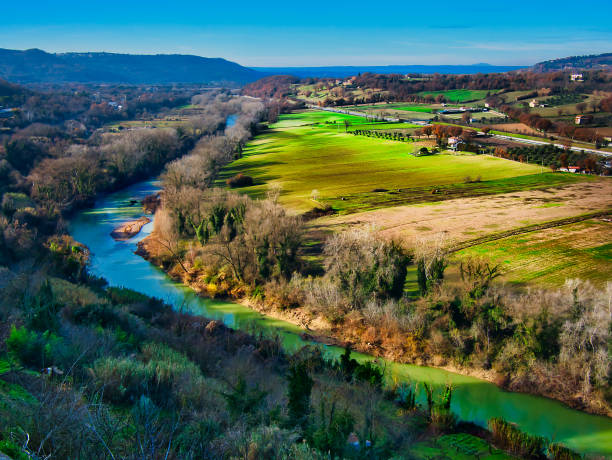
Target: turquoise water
(473,400)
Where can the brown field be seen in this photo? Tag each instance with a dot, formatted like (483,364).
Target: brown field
(516,128)
(465,219)
(604,131)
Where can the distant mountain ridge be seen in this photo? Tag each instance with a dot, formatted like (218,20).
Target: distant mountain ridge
(349,71)
(590,62)
(37,66)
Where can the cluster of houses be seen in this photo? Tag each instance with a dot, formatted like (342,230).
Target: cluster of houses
(576,77)
(572,169)
(347,82)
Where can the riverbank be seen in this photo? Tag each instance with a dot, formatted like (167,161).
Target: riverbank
(392,345)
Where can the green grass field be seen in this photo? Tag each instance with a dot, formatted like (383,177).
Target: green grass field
(303,152)
(460,95)
(549,257)
(399,106)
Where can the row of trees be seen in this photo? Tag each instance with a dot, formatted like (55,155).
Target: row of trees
(554,157)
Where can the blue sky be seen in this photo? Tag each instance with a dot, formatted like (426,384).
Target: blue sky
(299,33)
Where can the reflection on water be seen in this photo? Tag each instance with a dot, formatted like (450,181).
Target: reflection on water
(473,399)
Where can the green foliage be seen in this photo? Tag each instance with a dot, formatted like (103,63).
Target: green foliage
(70,258)
(42,310)
(14,451)
(244,401)
(300,386)
(366,372)
(197,435)
(348,364)
(157,375)
(370,373)
(331,428)
(121,295)
(404,395)
(32,348)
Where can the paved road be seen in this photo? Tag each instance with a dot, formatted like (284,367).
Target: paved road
(534,142)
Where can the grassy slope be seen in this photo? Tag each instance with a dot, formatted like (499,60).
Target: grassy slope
(302,153)
(549,257)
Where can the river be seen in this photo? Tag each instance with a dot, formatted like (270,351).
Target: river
(473,399)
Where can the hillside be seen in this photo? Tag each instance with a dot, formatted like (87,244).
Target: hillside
(37,66)
(11,94)
(590,62)
(348,71)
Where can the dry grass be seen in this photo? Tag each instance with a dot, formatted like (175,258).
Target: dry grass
(468,218)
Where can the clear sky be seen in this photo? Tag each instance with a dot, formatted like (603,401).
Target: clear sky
(302,33)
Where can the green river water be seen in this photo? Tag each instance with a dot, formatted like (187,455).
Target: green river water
(473,399)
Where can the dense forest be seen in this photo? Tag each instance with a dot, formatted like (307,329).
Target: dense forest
(37,66)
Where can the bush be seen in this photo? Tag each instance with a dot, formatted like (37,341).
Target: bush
(13,450)
(30,348)
(370,373)
(159,375)
(404,395)
(239,180)
(362,265)
(508,437)
(560,452)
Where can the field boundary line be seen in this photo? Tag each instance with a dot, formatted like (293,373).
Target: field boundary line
(529,229)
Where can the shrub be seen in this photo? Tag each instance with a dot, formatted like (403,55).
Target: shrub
(362,264)
(508,437)
(330,430)
(300,385)
(282,294)
(239,180)
(11,449)
(560,452)
(159,375)
(31,348)
(369,372)
(243,401)
(404,395)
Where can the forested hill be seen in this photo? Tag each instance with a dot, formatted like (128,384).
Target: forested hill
(37,66)
(591,62)
(11,94)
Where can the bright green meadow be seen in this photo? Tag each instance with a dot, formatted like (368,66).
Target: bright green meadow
(310,151)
